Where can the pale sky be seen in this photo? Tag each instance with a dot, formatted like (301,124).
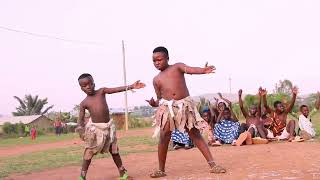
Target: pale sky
(256,43)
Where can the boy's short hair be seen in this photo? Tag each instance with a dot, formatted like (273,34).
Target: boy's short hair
(161,49)
(85,75)
(226,109)
(303,106)
(275,104)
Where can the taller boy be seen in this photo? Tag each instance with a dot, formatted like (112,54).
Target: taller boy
(176,109)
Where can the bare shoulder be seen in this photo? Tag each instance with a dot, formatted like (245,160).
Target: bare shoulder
(178,65)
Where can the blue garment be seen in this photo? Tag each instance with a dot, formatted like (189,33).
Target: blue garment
(179,137)
(227,131)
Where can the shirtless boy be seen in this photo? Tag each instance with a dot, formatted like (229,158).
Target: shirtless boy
(279,128)
(99,133)
(253,123)
(176,109)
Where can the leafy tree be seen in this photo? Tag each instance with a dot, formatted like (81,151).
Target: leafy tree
(31,106)
(284,87)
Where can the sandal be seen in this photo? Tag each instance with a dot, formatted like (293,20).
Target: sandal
(158,174)
(217,169)
(125,176)
(297,139)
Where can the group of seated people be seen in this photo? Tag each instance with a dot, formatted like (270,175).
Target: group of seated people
(221,125)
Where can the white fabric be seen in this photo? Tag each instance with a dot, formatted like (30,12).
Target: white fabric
(284,135)
(170,105)
(306,125)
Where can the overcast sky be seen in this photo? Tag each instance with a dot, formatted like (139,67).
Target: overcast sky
(256,43)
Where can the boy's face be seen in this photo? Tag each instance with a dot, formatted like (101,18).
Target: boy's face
(305,111)
(253,110)
(280,107)
(226,114)
(160,60)
(87,85)
(221,106)
(206,116)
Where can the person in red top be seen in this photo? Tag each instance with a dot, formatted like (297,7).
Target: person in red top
(33,133)
(58,127)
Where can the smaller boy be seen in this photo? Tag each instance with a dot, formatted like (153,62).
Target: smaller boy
(99,133)
(305,124)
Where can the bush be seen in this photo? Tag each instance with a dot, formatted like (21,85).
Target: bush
(140,122)
(9,128)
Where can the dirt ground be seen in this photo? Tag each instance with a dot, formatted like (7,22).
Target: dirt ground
(276,161)
(279,161)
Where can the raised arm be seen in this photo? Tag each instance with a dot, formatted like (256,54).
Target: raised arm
(293,100)
(244,112)
(81,116)
(318,101)
(263,93)
(152,102)
(136,85)
(259,103)
(195,70)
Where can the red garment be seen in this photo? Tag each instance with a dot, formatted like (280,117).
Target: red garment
(33,133)
(57,124)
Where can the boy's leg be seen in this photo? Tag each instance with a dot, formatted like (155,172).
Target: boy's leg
(291,126)
(204,149)
(262,131)
(200,143)
(165,136)
(118,161)
(85,167)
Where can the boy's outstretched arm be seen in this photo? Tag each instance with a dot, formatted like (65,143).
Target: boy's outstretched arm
(152,102)
(196,70)
(318,101)
(293,100)
(263,93)
(136,85)
(244,112)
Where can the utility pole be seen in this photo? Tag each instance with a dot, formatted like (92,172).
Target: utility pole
(125,84)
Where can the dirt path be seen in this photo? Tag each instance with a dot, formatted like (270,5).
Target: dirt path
(277,161)
(22,149)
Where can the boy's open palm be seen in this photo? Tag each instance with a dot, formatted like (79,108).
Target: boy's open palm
(138,85)
(209,69)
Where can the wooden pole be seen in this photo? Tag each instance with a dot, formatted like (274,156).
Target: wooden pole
(125,84)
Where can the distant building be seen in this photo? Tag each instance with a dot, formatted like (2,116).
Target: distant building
(118,115)
(41,122)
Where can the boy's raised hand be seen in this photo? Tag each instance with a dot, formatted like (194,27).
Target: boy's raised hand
(209,69)
(240,92)
(295,90)
(152,102)
(263,92)
(138,85)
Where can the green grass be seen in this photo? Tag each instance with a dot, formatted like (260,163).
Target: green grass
(9,142)
(55,158)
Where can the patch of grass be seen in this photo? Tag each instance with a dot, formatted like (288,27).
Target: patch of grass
(55,158)
(40,139)
(316,123)
(137,140)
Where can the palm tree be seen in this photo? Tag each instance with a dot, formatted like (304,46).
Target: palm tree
(31,106)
